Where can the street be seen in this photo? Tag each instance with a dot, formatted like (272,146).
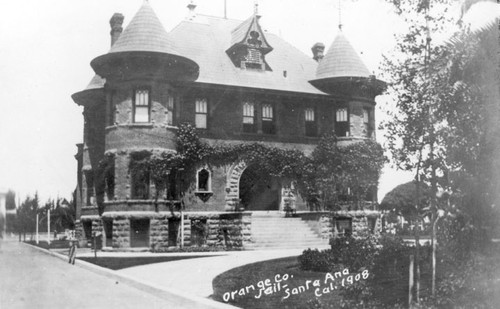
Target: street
(30,278)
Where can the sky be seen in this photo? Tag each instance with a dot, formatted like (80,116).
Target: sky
(47,45)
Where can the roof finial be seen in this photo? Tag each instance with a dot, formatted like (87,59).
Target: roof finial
(256,7)
(340,16)
(191,6)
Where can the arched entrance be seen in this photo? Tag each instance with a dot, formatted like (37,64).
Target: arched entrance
(258,190)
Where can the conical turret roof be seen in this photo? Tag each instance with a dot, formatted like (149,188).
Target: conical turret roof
(341,60)
(342,71)
(144,33)
(144,50)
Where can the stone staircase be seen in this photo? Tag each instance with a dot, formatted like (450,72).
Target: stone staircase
(271,230)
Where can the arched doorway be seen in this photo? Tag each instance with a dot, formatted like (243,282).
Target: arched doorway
(258,190)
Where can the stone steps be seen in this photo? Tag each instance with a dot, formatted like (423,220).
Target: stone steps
(274,231)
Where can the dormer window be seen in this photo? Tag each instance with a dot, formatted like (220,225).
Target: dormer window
(141,106)
(249,46)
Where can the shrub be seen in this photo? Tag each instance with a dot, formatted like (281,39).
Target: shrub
(315,260)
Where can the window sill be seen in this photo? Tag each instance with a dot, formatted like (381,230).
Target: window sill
(204,195)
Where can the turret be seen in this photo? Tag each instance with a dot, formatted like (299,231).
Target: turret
(144,51)
(342,73)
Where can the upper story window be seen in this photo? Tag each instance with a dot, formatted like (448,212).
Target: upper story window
(141,106)
(111,119)
(366,122)
(268,119)
(342,122)
(170,110)
(248,117)
(201,113)
(89,179)
(310,120)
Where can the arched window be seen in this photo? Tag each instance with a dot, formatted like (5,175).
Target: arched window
(203,178)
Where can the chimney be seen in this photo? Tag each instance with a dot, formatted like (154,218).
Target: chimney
(116,23)
(191,6)
(318,49)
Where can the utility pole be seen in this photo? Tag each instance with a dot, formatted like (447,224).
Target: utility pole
(37,239)
(48,226)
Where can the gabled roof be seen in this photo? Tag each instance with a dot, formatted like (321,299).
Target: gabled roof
(145,32)
(341,60)
(240,33)
(206,39)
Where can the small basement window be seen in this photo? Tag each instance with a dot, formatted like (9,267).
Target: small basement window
(344,226)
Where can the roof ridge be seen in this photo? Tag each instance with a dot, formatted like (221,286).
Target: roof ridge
(219,17)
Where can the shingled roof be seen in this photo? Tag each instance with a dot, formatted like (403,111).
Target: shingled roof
(341,60)
(145,32)
(240,33)
(206,39)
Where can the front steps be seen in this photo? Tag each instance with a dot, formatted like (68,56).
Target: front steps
(271,230)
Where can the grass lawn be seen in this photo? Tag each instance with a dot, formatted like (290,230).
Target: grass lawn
(116,263)
(245,276)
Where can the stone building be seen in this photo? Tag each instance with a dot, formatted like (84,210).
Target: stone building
(236,83)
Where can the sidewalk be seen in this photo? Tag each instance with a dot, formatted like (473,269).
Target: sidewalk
(195,276)
(32,278)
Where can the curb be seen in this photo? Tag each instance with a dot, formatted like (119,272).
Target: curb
(175,296)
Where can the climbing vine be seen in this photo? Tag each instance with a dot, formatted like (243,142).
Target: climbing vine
(356,166)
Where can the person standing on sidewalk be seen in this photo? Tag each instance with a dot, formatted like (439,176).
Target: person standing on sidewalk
(72,249)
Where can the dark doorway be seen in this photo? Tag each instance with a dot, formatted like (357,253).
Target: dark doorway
(87,229)
(108,230)
(258,190)
(139,233)
(173,231)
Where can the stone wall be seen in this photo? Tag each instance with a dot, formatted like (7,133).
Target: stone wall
(231,230)
(323,223)
(360,221)
(121,233)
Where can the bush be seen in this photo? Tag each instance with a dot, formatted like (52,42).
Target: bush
(315,260)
